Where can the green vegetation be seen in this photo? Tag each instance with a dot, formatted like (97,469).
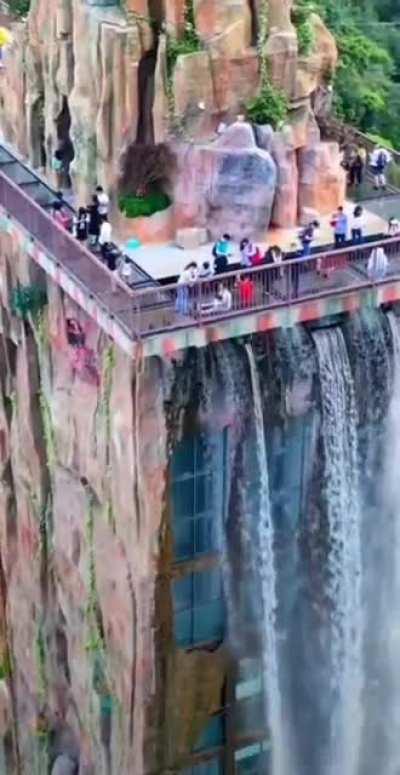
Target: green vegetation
(143,206)
(367,83)
(269,107)
(27,300)
(189,43)
(19,7)
(301,17)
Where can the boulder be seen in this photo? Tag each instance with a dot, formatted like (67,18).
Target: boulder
(228,185)
(213,18)
(322,180)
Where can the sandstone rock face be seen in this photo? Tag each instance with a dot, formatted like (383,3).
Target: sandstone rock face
(96,77)
(231,186)
(322,181)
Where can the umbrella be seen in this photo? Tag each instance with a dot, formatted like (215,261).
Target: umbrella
(5,37)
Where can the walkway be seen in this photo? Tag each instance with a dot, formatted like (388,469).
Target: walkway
(149,309)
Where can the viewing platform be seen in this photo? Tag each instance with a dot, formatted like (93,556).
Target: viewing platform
(148,317)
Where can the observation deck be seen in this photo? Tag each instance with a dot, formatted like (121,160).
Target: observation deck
(146,317)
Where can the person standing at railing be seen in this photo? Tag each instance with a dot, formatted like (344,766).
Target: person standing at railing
(357,224)
(105,236)
(340,225)
(393,227)
(307,237)
(103,200)
(80,225)
(249,254)
(223,299)
(186,280)
(94,221)
(247,291)
(222,251)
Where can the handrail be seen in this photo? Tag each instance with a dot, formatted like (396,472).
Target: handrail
(301,260)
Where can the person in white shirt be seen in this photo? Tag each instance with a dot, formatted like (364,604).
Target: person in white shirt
(186,279)
(379,161)
(377,264)
(103,201)
(393,227)
(223,299)
(357,224)
(104,236)
(127,271)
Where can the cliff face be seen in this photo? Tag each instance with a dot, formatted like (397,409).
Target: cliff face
(97,77)
(80,453)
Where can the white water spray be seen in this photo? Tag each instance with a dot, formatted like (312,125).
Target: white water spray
(280,754)
(341,490)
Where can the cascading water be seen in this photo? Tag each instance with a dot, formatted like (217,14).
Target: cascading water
(388,575)
(341,495)
(280,753)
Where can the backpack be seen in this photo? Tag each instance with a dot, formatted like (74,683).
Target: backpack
(381,160)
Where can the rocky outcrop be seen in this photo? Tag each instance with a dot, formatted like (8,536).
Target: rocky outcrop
(231,186)
(95,79)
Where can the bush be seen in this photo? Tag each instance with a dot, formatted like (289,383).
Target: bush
(270,107)
(27,300)
(143,206)
(176,47)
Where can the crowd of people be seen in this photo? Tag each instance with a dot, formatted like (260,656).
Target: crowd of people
(348,229)
(91,225)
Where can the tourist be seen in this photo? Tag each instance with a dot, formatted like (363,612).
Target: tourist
(248,254)
(222,252)
(307,236)
(57,165)
(104,236)
(357,224)
(223,299)
(274,256)
(340,224)
(60,215)
(103,200)
(80,225)
(379,161)
(94,221)
(126,271)
(247,290)
(377,264)
(206,271)
(393,227)
(186,280)
(356,170)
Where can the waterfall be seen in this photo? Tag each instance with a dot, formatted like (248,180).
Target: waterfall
(280,755)
(342,504)
(390,537)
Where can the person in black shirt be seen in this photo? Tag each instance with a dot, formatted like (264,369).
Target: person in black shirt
(94,220)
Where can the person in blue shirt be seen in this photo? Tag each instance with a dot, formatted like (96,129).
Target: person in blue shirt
(340,225)
(222,252)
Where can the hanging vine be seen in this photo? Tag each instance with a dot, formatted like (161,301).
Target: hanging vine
(270,106)
(105,414)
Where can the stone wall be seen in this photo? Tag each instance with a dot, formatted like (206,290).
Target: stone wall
(103,70)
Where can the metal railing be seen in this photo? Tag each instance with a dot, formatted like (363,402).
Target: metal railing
(264,288)
(149,311)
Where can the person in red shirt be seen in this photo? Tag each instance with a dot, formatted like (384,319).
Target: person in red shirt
(246,291)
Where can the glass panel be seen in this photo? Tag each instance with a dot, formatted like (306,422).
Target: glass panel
(250,681)
(184,540)
(204,493)
(183,458)
(207,586)
(250,716)
(213,735)
(208,622)
(206,539)
(252,760)
(184,628)
(212,767)
(182,593)
(183,499)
